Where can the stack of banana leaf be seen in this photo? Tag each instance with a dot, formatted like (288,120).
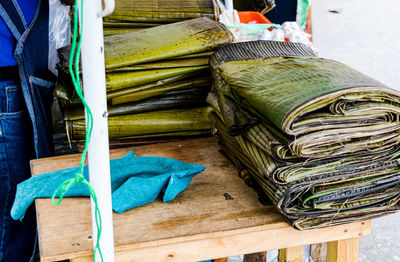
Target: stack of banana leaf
(320,138)
(133,15)
(157,81)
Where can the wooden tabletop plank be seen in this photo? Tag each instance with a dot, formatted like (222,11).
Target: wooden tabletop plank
(201,208)
(200,213)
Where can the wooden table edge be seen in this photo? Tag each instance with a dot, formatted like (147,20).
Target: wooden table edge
(227,243)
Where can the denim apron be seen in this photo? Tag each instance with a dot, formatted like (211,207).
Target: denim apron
(26,95)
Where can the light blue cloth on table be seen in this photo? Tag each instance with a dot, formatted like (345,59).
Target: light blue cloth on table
(135,181)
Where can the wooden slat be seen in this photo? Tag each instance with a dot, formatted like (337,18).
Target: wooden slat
(255,257)
(242,242)
(211,246)
(81,259)
(343,250)
(201,223)
(318,252)
(291,254)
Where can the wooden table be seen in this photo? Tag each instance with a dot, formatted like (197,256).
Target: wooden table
(216,216)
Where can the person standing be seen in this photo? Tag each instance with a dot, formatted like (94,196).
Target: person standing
(26,94)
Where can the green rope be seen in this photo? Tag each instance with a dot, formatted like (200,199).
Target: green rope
(302,10)
(79,178)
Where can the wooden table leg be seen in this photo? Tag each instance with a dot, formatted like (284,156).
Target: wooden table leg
(291,254)
(225,259)
(343,250)
(255,257)
(318,252)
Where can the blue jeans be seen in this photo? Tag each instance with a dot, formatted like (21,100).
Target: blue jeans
(17,238)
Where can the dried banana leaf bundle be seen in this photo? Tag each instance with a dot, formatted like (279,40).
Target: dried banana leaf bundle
(322,192)
(107,31)
(165,42)
(161,12)
(178,63)
(157,80)
(202,83)
(320,138)
(187,98)
(152,56)
(322,107)
(149,123)
(149,139)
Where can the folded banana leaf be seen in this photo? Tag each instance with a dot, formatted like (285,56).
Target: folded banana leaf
(160,103)
(166,11)
(197,55)
(236,118)
(191,60)
(196,38)
(268,139)
(156,122)
(312,194)
(168,135)
(325,108)
(166,41)
(117,31)
(188,62)
(160,90)
(152,85)
(123,80)
(325,147)
(112,23)
(188,98)
(149,139)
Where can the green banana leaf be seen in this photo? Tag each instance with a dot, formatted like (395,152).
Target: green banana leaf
(166,11)
(307,98)
(307,191)
(117,31)
(156,122)
(188,62)
(152,85)
(110,23)
(166,41)
(179,134)
(206,54)
(188,98)
(123,80)
(149,139)
(160,90)
(325,147)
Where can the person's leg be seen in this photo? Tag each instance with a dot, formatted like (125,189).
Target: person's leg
(16,237)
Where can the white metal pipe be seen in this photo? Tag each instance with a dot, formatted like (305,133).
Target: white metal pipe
(109,6)
(93,71)
(229,5)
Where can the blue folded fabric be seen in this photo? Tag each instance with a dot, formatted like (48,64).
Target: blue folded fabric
(135,181)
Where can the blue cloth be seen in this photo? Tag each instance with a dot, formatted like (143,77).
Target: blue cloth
(16,239)
(135,181)
(7,40)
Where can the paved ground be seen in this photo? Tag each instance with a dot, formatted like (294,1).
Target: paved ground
(366,36)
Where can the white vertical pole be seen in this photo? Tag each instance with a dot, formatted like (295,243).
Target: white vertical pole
(229,5)
(93,70)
